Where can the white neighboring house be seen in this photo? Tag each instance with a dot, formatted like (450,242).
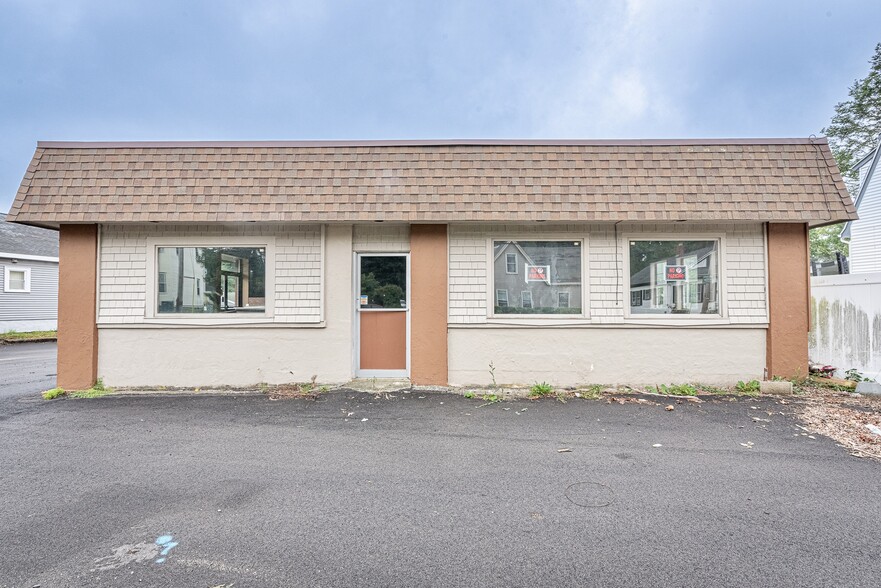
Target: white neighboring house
(864,235)
(28,278)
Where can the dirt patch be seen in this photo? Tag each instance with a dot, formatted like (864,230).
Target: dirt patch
(843,417)
(291,391)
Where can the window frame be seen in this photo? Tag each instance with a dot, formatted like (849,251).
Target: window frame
(547,319)
(624,294)
(151,313)
(568,299)
(498,300)
(26,270)
(523,294)
(507,264)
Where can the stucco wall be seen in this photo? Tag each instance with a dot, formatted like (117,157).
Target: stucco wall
(142,355)
(744,259)
(571,356)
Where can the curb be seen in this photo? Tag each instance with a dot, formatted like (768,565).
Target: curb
(18,341)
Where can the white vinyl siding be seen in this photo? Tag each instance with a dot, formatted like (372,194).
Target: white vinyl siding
(865,241)
(40,303)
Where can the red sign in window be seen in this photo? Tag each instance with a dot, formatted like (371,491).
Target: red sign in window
(537,273)
(675,272)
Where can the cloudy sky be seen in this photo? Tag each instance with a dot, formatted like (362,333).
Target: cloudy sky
(364,69)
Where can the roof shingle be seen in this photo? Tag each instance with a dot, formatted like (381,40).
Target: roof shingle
(565,181)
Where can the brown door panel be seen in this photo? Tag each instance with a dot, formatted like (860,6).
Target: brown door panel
(383,344)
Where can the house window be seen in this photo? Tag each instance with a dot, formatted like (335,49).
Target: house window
(204,280)
(502,298)
(549,266)
(563,299)
(17,279)
(684,276)
(511,263)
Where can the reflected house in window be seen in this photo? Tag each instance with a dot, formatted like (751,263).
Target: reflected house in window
(674,277)
(211,279)
(547,274)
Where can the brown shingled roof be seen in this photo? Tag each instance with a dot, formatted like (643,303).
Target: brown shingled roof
(423,181)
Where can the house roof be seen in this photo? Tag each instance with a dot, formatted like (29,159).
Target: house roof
(434,181)
(23,240)
(872,156)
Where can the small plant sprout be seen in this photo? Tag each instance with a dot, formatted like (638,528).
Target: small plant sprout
(492,374)
(53,394)
(750,387)
(855,376)
(674,390)
(469,394)
(541,389)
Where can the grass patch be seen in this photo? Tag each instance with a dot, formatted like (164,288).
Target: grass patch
(53,394)
(96,391)
(674,390)
(541,389)
(29,336)
(592,392)
(750,388)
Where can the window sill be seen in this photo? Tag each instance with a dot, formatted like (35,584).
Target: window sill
(213,323)
(538,321)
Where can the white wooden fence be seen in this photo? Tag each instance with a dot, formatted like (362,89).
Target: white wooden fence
(846,322)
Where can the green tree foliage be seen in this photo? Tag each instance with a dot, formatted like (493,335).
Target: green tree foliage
(856,125)
(825,242)
(852,134)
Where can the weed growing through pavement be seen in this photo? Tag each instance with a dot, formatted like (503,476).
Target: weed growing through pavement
(750,388)
(541,389)
(674,390)
(53,394)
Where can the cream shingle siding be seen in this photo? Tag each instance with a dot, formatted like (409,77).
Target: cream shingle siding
(381,238)
(123,268)
(744,259)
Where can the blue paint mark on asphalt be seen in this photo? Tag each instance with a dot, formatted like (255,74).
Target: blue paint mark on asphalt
(167,543)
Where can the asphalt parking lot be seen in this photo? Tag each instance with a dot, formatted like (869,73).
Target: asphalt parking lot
(27,368)
(422,489)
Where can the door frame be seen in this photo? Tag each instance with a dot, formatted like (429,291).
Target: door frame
(356,306)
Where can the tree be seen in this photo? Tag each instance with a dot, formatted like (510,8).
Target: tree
(856,125)
(852,134)
(825,242)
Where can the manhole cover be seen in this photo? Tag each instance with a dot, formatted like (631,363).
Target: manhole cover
(590,494)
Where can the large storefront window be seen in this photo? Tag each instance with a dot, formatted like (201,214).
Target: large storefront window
(199,280)
(674,277)
(537,277)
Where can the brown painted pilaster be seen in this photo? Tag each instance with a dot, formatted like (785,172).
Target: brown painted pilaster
(428,300)
(788,300)
(77,327)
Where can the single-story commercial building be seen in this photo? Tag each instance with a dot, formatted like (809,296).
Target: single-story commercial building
(448,262)
(28,278)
